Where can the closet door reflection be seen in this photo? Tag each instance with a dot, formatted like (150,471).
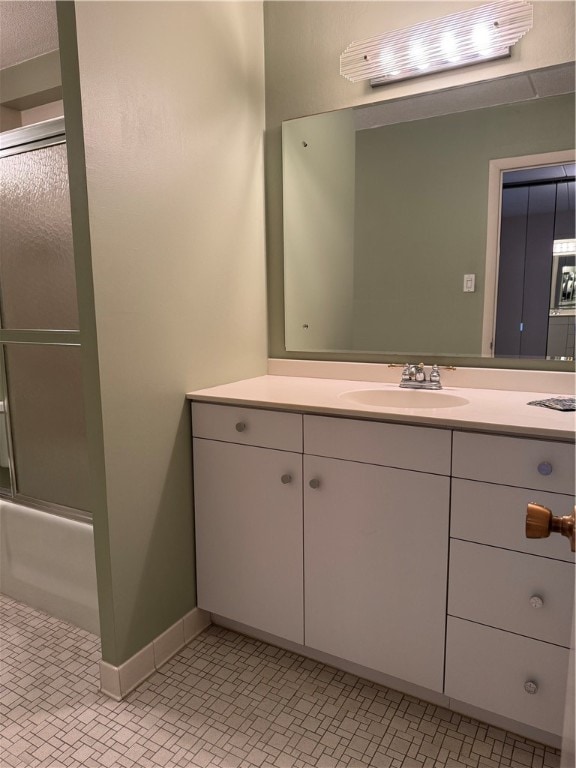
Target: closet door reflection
(47,419)
(37,278)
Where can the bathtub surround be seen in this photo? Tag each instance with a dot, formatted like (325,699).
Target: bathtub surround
(47,561)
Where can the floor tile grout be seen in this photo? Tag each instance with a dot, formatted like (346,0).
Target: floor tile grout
(224,701)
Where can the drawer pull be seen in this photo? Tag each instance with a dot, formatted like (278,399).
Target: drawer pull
(241,426)
(536,601)
(286,479)
(545,468)
(314,483)
(531,687)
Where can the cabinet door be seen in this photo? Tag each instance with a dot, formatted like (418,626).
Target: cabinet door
(248,511)
(376,545)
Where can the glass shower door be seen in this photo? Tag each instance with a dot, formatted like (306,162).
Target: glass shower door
(39,332)
(37,280)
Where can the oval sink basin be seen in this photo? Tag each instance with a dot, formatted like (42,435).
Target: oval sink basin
(402,398)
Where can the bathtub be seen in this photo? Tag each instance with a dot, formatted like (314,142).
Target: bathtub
(47,561)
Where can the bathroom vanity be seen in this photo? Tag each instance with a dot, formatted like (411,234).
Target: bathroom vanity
(392,538)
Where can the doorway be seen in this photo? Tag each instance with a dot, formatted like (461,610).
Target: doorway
(528,289)
(536,300)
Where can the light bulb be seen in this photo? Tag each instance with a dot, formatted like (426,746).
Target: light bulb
(449,47)
(419,56)
(482,39)
(387,62)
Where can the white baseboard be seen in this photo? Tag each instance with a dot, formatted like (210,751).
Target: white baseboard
(118,682)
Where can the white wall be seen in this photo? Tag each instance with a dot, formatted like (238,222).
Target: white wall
(173,114)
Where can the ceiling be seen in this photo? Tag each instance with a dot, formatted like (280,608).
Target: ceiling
(27,29)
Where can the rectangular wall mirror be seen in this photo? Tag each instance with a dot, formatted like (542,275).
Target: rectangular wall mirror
(392,221)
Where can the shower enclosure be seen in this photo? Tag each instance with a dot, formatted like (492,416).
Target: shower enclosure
(44,469)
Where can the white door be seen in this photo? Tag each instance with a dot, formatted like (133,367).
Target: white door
(376,547)
(248,512)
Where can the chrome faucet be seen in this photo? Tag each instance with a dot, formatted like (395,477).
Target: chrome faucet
(414,377)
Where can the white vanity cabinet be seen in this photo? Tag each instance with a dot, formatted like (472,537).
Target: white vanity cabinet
(371,585)
(510,599)
(338,534)
(375,545)
(248,516)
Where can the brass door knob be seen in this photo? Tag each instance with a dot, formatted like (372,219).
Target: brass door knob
(540,523)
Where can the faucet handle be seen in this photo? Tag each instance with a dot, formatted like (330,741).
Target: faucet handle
(435,374)
(406,372)
(420,373)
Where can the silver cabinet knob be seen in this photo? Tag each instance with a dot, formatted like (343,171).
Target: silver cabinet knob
(286,479)
(314,483)
(536,601)
(545,468)
(240,427)
(531,687)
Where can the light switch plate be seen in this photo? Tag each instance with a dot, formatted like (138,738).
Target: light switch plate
(469,283)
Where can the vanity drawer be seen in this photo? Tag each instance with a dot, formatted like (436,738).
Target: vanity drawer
(490,668)
(248,426)
(496,515)
(538,464)
(391,445)
(495,586)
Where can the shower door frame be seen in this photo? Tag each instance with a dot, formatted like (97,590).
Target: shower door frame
(17,141)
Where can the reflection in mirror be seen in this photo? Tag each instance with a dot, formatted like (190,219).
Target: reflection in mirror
(386,216)
(536,309)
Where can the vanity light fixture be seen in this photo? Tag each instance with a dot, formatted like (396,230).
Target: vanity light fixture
(458,40)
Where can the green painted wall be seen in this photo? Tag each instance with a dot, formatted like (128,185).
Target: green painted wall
(88,334)
(421,221)
(319,168)
(166,174)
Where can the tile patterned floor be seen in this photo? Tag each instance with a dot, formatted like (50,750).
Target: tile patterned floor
(225,700)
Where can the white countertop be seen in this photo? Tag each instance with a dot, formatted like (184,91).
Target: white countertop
(487,410)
